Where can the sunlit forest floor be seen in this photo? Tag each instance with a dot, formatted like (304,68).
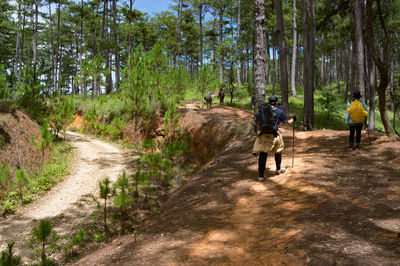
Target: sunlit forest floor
(334,206)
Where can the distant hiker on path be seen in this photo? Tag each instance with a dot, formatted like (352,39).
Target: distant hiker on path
(208,99)
(356,112)
(221,95)
(269,140)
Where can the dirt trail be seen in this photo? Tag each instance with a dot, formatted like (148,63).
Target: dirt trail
(68,204)
(335,207)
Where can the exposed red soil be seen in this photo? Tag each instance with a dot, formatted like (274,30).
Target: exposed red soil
(334,206)
(77,123)
(16,147)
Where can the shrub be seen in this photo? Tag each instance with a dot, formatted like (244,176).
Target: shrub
(43,234)
(7,257)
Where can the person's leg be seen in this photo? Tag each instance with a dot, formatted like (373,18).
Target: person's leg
(351,140)
(262,161)
(278,161)
(358,135)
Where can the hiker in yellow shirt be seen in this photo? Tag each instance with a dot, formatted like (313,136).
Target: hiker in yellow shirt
(355,116)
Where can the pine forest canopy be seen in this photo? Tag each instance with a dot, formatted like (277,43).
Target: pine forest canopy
(84,47)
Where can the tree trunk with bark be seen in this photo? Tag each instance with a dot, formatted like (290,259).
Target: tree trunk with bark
(382,64)
(282,57)
(259,52)
(309,32)
(116,47)
(221,50)
(238,50)
(359,45)
(372,92)
(294,51)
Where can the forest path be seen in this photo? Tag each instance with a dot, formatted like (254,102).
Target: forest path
(69,203)
(334,207)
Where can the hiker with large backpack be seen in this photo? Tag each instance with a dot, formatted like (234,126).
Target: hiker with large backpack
(208,99)
(356,113)
(221,96)
(268,139)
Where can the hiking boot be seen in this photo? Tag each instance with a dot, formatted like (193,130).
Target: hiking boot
(280,171)
(260,178)
(357,147)
(350,147)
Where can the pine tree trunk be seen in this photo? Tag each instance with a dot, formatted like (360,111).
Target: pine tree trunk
(116,47)
(129,34)
(346,71)
(259,52)
(359,45)
(294,52)
(34,40)
(381,64)
(268,67)
(57,50)
(309,48)
(322,76)
(282,57)
(238,50)
(201,32)
(18,46)
(221,53)
(372,93)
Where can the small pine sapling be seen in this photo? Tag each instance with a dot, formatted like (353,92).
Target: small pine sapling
(105,194)
(44,235)
(138,178)
(122,200)
(21,179)
(7,257)
(61,117)
(45,141)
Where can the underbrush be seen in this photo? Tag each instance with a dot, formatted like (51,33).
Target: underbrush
(122,206)
(23,187)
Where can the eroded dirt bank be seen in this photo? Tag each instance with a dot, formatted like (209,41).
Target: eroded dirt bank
(334,207)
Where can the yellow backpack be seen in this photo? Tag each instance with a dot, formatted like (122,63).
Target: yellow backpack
(357,112)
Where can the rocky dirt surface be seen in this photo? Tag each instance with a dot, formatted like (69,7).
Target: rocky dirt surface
(334,207)
(69,204)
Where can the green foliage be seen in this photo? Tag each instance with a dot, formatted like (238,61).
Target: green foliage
(329,102)
(105,194)
(7,257)
(45,141)
(4,180)
(43,234)
(28,93)
(207,80)
(79,239)
(37,182)
(5,91)
(21,179)
(122,199)
(61,116)
(139,178)
(150,84)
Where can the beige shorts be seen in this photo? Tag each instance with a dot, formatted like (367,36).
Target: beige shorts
(269,144)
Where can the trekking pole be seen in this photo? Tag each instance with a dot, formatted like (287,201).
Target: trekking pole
(294,126)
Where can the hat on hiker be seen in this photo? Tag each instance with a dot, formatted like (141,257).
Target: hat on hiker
(357,94)
(272,100)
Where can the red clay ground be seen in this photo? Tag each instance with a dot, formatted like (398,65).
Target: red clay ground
(334,207)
